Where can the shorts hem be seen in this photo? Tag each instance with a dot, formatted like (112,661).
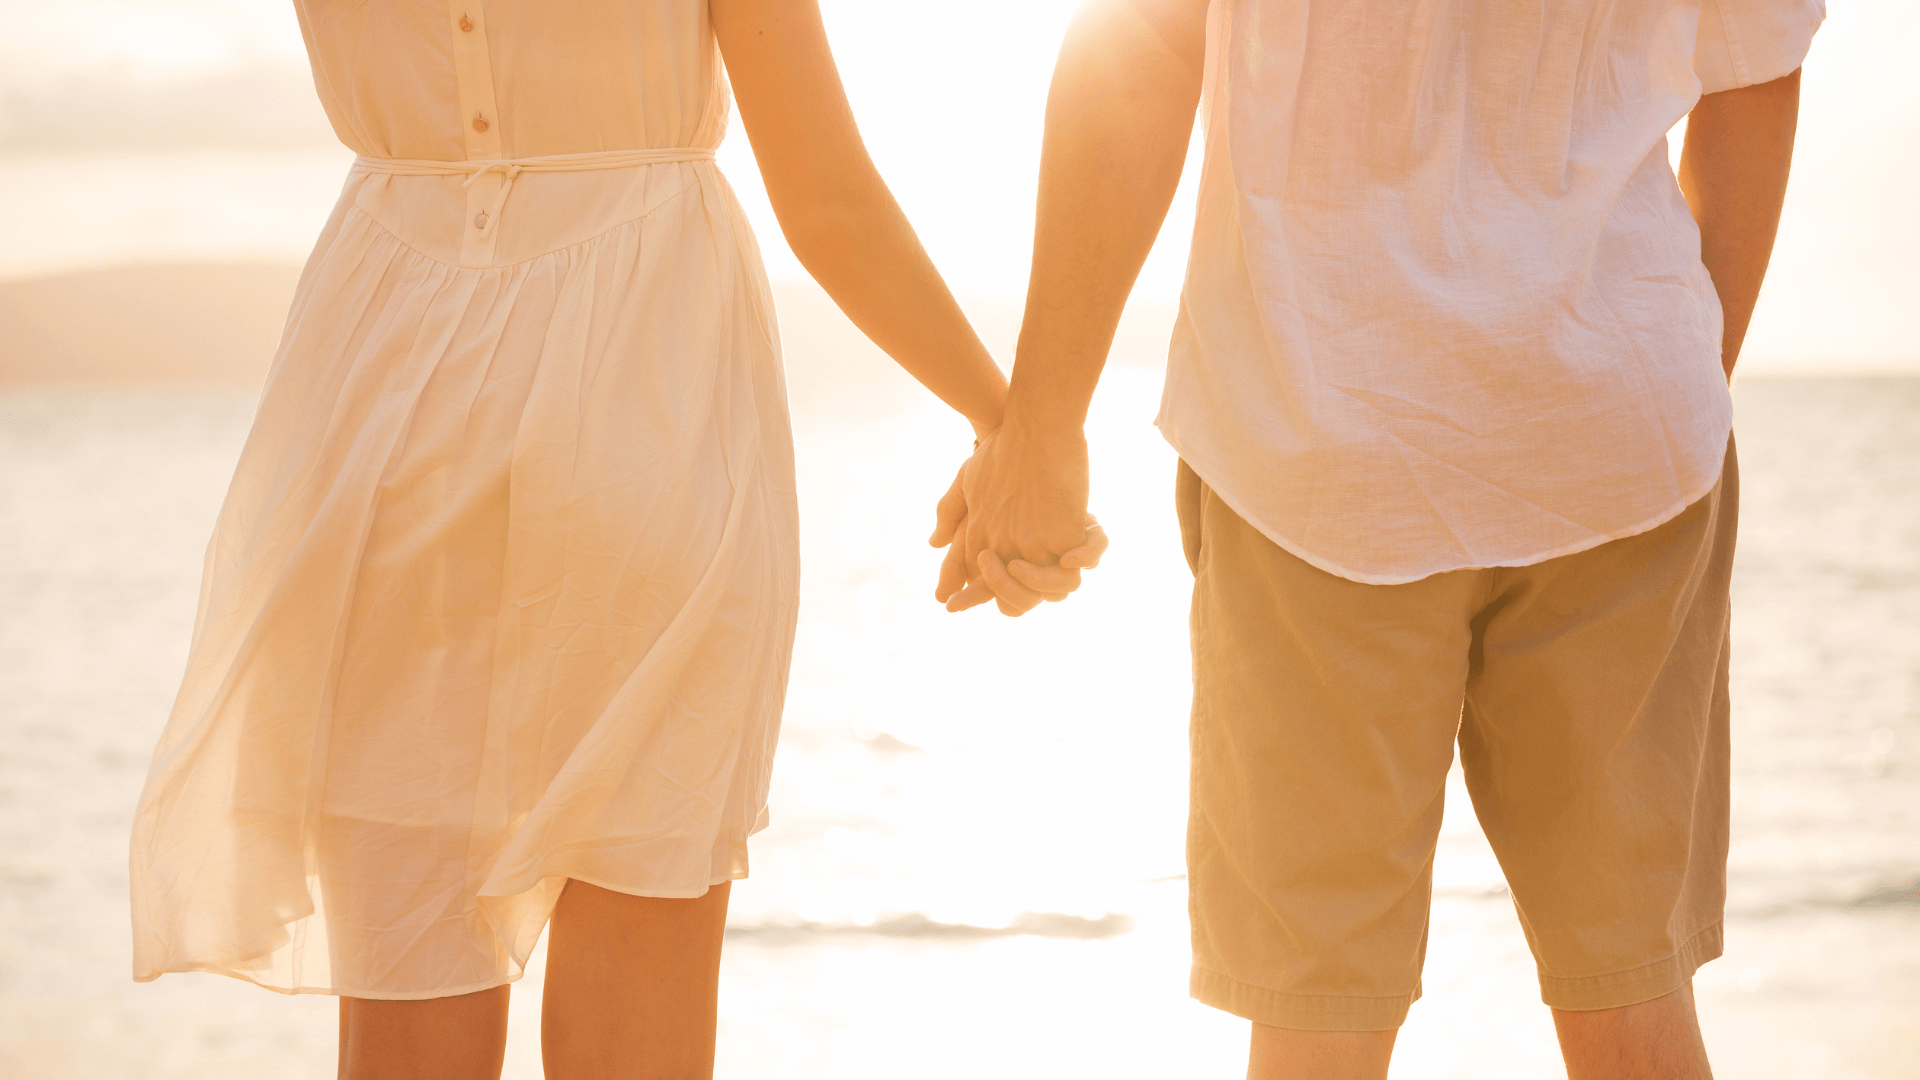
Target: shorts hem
(1299,1012)
(1619,989)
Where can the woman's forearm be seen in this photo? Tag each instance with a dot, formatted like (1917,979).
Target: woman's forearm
(1733,171)
(858,245)
(836,212)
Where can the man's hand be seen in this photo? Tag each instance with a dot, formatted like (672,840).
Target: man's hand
(1019,586)
(1015,524)
(1026,494)
(1119,117)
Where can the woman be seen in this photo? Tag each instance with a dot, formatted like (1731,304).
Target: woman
(496,619)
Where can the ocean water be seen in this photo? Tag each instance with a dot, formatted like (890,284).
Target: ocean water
(974,866)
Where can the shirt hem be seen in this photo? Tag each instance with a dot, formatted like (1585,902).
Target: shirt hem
(1321,562)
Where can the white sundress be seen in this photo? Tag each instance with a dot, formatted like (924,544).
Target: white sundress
(503,592)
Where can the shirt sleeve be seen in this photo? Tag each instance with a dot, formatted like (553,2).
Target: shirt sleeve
(1748,42)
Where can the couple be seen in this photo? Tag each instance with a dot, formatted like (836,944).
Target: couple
(497,615)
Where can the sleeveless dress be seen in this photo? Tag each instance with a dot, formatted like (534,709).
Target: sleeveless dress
(503,592)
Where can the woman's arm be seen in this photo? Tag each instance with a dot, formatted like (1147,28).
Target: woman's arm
(836,212)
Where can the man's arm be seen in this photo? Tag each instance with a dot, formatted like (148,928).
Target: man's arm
(1733,171)
(1119,117)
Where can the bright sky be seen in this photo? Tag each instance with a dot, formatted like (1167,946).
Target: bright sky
(950,97)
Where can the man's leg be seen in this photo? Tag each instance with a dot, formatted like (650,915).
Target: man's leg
(1654,1040)
(1595,745)
(1288,1054)
(1323,723)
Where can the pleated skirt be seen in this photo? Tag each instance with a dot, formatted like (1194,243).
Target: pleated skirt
(503,593)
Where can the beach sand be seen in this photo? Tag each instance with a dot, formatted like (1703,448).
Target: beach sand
(975,862)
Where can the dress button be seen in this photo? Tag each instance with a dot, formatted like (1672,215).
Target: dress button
(479,123)
(480,220)
(466,25)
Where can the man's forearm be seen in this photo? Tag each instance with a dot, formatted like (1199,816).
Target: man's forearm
(1733,170)
(1119,117)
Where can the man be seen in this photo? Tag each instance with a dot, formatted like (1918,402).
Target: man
(1449,389)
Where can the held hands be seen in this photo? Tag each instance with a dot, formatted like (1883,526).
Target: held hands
(1015,523)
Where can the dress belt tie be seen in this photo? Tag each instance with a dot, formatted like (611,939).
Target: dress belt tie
(511,168)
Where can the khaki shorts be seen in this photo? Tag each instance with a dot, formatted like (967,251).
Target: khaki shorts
(1588,694)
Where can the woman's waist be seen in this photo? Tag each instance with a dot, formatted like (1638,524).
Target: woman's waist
(490,213)
(509,167)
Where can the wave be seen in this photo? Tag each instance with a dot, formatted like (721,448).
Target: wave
(916,925)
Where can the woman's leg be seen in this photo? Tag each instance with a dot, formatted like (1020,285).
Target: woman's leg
(450,1038)
(633,984)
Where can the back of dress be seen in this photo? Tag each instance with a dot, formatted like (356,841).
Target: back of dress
(409,79)
(503,592)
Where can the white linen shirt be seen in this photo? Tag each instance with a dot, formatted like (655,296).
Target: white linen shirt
(1445,306)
